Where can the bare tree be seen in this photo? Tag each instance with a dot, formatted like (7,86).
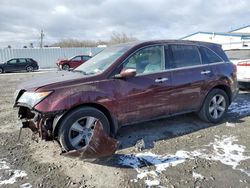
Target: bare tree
(117,38)
(70,43)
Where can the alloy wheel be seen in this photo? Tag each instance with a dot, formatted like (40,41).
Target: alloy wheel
(81,131)
(217,106)
(29,69)
(65,67)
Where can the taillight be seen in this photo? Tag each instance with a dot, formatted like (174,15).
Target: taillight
(243,63)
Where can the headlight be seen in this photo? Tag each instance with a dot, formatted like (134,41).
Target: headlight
(32,98)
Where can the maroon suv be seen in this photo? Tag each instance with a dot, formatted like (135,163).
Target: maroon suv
(126,84)
(72,63)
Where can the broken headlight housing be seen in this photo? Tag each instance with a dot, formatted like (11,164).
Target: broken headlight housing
(33,98)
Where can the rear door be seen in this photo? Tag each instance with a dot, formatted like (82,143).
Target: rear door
(144,96)
(189,77)
(22,64)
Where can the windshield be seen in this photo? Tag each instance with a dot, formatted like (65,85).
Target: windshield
(103,60)
(238,54)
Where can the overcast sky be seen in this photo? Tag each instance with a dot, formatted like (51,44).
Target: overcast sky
(22,20)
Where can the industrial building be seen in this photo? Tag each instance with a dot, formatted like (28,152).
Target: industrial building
(234,39)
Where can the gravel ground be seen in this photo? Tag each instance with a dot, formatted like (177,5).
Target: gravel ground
(180,151)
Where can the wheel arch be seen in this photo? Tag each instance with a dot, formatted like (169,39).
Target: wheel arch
(225,88)
(112,120)
(66,63)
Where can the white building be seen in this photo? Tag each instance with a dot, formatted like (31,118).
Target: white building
(235,39)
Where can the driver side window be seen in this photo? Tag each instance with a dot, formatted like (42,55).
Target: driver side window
(12,61)
(146,60)
(77,58)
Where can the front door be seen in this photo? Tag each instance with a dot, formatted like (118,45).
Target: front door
(76,61)
(11,65)
(144,96)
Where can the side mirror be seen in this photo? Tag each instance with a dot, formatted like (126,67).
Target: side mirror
(126,73)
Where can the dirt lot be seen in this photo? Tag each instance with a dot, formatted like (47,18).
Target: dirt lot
(180,151)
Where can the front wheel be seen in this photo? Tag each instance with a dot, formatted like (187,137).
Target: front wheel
(1,71)
(66,67)
(77,127)
(215,106)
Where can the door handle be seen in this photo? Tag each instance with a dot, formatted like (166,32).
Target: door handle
(205,72)
(160,80)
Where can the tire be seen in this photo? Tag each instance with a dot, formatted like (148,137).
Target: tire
(29,69)
(1,70)
(74,131)
(66,67)
(215,106)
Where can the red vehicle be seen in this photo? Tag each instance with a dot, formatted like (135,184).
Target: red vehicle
(126,84)
(73,62)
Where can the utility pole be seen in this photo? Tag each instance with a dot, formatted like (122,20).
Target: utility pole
(41,38)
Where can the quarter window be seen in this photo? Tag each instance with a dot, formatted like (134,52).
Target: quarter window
(184,55)
(208,56)
(146,60)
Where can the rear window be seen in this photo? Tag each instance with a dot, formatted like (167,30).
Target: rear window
(184,55)
(238,54)
(208,56)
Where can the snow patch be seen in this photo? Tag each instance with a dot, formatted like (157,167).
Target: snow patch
(228,124)
(149,166)
(26,185)
(3,165)
(14,174)
(242,108)
(197,176)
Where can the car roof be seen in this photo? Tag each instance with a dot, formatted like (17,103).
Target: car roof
(152,42)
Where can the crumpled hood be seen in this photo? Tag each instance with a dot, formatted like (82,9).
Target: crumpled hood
(50,78)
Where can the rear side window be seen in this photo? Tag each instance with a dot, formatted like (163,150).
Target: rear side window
(208,56)
(184,56)
(85,58)
(22,60)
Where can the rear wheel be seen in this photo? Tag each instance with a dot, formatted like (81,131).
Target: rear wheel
(29,69)
(77,127)
(215,106)
(65,67)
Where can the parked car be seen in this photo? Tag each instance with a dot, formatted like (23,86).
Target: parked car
(73,62)
(126,84)
(241,58)
(19,64)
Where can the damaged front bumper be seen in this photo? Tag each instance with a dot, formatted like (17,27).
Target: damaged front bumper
(100,144)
